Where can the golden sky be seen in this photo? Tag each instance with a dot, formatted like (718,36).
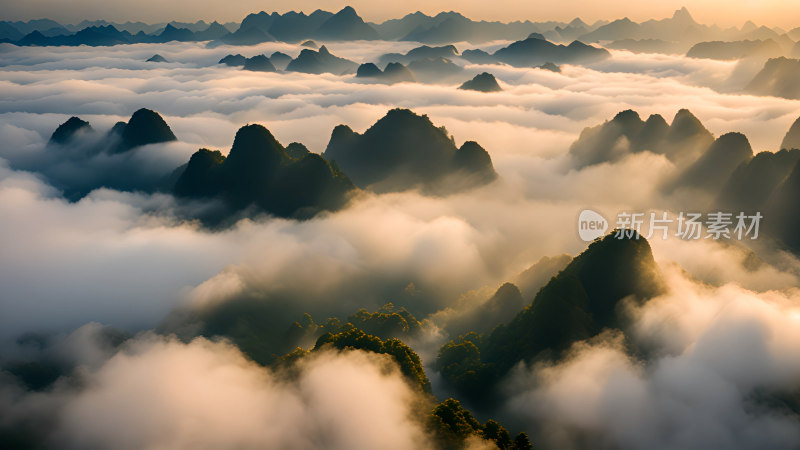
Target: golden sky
(784,13)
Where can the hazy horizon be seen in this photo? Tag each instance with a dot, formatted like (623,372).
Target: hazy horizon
(711,12)
(434,233)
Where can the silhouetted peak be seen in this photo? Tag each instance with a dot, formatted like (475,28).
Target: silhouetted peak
(685,124)
(627,117)
(622,263)
(402,117)
(730,149)
(579,302)
(34,35)
(259,63)
(156,58)
(324,51)
(117,128)
(346,24)
(473,158)
(368,70)
(280,60)
(233,60)
(682,15)
(734,139)
(792,137)
(260,173)
(342,132)
(404,150)
(577,22)
(252,139)
(347,11)
(102,29)
(507,296)
(394,67)
(483,82)
(716,166)
(206,158)
(749,26)
(579,45)
(145,127)
(536,36)
(552,67)
(395,72)
(656,120)
(198,176)
(655,128)
(297,150)
(68,129)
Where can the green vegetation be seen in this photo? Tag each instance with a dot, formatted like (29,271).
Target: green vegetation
(406,358)
(388,321)
(452,425)
(577,304)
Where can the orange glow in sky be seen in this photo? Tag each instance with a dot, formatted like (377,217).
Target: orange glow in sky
(783,13)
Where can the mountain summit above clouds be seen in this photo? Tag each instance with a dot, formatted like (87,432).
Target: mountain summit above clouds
(258,172)
(67,130)
(583,300)
(403,151)
(145,127)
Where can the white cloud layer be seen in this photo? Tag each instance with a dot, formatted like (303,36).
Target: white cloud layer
(124,259)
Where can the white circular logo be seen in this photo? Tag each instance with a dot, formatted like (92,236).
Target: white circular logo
(591,225)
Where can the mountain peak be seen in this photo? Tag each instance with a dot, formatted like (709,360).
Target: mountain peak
(683,14)
(250,139)
(145,127)
(578,303)
(626,116)
(348,11)
(483,82)
(686,121)
(157,58)
(68,129)
(346,25)
(716,166)
(404,150)
(792,138)
(577,22)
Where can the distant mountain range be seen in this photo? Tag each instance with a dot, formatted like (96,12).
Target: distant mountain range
(676,33)
(736,49)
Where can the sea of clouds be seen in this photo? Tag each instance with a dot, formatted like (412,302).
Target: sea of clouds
(724,333)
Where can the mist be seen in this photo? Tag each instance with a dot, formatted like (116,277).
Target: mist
(113,288)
